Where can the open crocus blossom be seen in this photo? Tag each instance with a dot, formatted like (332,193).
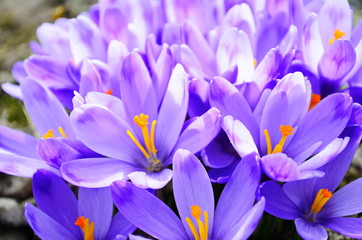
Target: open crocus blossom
(61,216)
(139,133)
(235,216)
(286,127)
(314,204)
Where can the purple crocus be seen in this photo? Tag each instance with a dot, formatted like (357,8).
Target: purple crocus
(60,215)
(330,51)
(314,204)
(285,129)
(22,154)
(235,216)
(139,133)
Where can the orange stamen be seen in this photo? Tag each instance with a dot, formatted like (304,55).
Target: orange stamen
(320,200)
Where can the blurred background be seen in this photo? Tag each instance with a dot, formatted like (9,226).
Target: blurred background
(18,22)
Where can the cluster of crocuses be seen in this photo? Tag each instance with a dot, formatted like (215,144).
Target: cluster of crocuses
(260,97)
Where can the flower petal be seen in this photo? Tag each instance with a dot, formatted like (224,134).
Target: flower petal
(222,175)
(225,97)
(96,172)
(239,136)
(335,14)
(120,225)
(345,202)
(279,167)
(46,227)
(235,50)
(321,124)
(268,68)
(309,230)
(326,155)
(154,180)
(95,124)
(56,199)
(219,153)
(138,206)
(248,223)
(86,40)
(312,43)
(200,47)
(13,90)
(238,196)
(201,131)
(174,105)
(97,205)
(137,89)
(350,227)
(111,102)
(277,202)
(337,168)
(44,108)
(191,186)
(281,107)
(18,142)
(337,60)
(48,70)
(21,166)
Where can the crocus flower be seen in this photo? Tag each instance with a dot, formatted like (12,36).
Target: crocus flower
(21,157)
(314,204)
(58,58)
(285,129)
(22,154)
(235,216)
(60,215)
(330,49)
(139,133)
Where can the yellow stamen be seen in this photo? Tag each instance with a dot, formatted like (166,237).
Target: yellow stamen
(255,62)
(138,144)
(152,138)
(315,99)
(285,131)
(192,228)
(320,200)
(203,227)
(61,130)
(87,228)
(149,148)
(337,34)
(268,141)
(142,122)
(49,134)
(148,138)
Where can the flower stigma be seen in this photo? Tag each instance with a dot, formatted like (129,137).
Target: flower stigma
(202,233)
(320,200)
(285,130)
(109,92)
(86,226)
(315,99)
(337,34)
(150,152)
(50,133)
